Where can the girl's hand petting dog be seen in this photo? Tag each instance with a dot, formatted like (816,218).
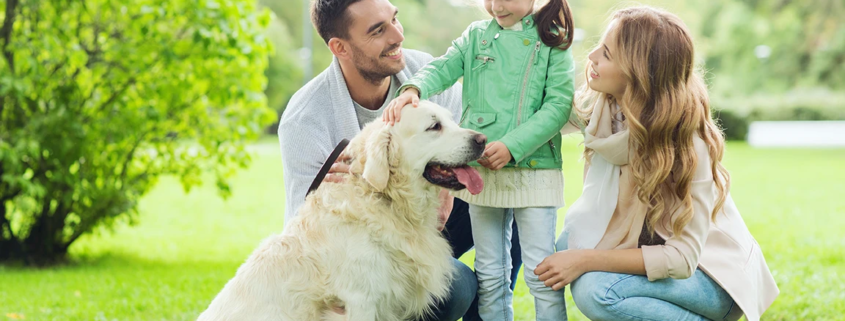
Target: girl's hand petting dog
(496,155)
(393,111)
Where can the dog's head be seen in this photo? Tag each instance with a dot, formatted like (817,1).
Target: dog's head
(426,143)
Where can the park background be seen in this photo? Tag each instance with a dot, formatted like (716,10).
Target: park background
(139,165)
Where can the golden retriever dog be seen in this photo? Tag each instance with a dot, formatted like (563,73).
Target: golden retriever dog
(367,248)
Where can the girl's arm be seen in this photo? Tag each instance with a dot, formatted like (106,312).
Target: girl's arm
(553,113)
(442,72)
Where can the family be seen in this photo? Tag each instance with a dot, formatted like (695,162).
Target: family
(654,235)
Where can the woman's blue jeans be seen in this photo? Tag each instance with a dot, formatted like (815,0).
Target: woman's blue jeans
(616,296)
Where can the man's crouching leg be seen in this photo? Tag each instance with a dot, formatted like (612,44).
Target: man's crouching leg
(461,293)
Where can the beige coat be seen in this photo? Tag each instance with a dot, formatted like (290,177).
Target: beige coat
(725,249)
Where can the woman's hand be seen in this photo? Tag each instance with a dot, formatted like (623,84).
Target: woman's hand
(496,155)
(561,268)
(393,111)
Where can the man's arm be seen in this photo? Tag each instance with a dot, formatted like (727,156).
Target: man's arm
(303,153)
(447,202)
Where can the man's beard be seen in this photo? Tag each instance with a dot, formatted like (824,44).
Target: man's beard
(371,69)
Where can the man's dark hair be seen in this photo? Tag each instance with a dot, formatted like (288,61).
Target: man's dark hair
(331,18)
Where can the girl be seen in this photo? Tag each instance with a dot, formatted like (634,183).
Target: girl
(655,234)
(506,62)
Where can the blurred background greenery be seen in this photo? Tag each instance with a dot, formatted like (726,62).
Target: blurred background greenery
(113,114)
(763,59)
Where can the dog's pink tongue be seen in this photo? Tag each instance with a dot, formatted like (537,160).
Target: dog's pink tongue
(470,178)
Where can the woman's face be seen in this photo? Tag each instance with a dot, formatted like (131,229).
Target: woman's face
(508,12)
(605,75)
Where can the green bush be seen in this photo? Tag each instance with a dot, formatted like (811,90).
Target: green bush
(735,115)
(806,104)
(734,126)
(99,98)
(798,113)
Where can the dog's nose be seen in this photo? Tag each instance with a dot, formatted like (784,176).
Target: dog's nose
(480,139)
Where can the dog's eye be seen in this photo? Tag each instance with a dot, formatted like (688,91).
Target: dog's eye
(435,127)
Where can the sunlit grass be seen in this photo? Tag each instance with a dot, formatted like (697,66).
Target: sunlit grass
(186,246)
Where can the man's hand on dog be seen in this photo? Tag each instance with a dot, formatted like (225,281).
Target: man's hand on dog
(338,170)
(394,110)
(496,155)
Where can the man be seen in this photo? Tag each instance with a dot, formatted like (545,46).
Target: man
(369,65)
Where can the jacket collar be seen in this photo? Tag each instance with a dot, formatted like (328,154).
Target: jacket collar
(527,23)
(494,28)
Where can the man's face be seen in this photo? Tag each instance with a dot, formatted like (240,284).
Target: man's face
(375,39)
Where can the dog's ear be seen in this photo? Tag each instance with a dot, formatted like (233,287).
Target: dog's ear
(377,166)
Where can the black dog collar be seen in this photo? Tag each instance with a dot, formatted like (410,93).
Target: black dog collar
(327,165)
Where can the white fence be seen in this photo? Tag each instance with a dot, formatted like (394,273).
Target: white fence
(814,134)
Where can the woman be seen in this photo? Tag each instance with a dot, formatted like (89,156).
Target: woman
(655,234)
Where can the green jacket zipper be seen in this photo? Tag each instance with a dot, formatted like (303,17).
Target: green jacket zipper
(525,81)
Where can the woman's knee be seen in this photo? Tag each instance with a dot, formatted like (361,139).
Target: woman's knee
(592,296)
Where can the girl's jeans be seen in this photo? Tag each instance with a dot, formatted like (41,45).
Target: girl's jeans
(491,231)
(615,296)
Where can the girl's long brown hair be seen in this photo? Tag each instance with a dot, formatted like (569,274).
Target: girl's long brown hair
(554,22)
(666,105)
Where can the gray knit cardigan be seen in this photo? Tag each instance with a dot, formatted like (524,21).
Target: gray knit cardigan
(321,114)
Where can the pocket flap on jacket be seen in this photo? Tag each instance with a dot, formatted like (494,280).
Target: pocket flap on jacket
(482,119)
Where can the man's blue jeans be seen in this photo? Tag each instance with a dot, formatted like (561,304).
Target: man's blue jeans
(461,293)
(463,300)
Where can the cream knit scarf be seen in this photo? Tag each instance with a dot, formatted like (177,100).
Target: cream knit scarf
(588,218)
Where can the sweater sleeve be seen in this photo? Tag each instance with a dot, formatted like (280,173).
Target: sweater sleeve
(304,146)
(441,73)
(451,99)
(678,257)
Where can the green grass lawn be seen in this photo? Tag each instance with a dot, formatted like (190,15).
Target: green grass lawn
(186,246)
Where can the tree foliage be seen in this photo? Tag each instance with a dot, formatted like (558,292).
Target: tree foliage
(284,73)
(430,26)
(99,98)
(772,46)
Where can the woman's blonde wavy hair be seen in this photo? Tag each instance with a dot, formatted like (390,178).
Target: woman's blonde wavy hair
(666,105)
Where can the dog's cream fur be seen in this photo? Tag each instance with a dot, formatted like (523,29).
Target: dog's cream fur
(364,249)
